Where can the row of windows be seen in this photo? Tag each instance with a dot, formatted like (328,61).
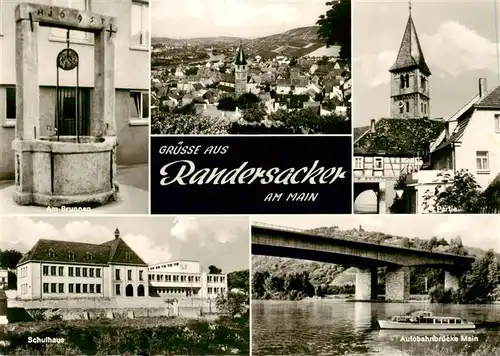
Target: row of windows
(404,81)
(165,265)
(71,255)
(139,109)
(210,290)
(482,162)
(215,290)
(216,279)
(378,163)
(174,278)
(129,275)
(177,291)
(72,271)
(72,288)
(184,279)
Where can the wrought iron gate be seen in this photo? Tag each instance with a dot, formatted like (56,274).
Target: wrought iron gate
(73,111)
(72,114)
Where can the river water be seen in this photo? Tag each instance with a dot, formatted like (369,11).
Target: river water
(329,327)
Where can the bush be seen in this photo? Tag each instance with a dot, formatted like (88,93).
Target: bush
(439,295)
(168,123)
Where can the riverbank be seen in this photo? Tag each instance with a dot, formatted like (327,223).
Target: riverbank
(415,298)
(155,336)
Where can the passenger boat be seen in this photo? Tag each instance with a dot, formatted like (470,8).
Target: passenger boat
(425,320)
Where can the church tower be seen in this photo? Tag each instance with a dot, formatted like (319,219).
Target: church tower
(240,72)
(410,78)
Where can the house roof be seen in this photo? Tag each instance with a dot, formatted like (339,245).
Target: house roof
(397,137)
(490,101)
(228,78)
(462,117)
(226,88)
(410,52)
(115,251)
(358,131)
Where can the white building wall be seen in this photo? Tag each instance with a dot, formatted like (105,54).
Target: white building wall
(127,56)
(180,266)
(480,135)
(124,281)
(31,274)
(108,282)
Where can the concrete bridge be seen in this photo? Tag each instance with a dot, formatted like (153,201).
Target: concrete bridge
(279,241)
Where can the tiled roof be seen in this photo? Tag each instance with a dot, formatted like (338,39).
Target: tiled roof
(228,78)
(399,137)
(410,52)
(226,88)
(114,251)
(491,100)
(462,117)
(358,131)
(121,253)
(457,134)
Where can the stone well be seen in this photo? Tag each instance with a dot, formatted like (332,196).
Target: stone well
(65,170)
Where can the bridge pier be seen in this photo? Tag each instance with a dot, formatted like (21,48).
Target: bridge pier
(451,281)
(397,283)
(366,284)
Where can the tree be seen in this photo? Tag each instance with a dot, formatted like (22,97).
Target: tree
(214,270)
(10,258)
(293,62)
(462,195)
(11,280)
(254,114)
(192,71)
(232,304)
(247,100)
(239,280)
(491,198)
(227,104)
(258,281)
(335,27)
(478,286)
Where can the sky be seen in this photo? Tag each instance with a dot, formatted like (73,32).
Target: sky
(232,18)
(218,240)
(458,39)
(482,231)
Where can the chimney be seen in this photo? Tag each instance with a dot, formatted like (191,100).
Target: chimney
(117,234)
(482,87)
(447,129)
(372,126)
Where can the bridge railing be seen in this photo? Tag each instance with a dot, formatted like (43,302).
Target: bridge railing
(314,233)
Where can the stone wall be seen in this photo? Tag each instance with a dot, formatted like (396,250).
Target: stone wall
(366,283)
(87,303)
(102,313)
(397,284)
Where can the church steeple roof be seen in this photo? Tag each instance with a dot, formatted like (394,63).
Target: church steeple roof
(240,57)
(410,52)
